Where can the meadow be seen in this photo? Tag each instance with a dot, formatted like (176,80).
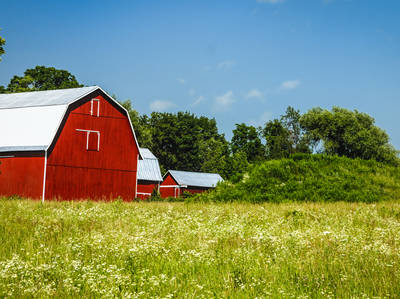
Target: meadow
(199,250)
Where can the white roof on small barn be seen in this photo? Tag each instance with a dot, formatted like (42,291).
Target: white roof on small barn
(148,168)
(196,179)
(29,120)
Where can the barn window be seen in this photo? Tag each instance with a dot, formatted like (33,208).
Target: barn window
(95,107)
(92,139)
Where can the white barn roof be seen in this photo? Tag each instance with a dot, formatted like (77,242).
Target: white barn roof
(195,179)
(148,168)
(29,120)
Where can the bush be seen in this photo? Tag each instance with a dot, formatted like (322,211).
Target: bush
(316,178)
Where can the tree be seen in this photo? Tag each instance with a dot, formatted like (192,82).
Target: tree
(246,139)
(178,139)
(285,136)
(278,141)
(2,43)
(348,133)
(42,78)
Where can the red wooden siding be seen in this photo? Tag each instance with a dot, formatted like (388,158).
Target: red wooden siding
(145,187)
(22,176)
(73,172)
(169,191)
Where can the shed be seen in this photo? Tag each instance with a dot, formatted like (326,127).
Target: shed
(73,143)
(176,182)
(149,174)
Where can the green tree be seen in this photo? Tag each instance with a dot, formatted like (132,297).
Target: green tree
(277,136)
(246,139)
(177,139)
(285,136)
(42,78)
(348,133)
(2,43)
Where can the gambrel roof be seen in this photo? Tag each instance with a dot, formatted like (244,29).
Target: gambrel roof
(195,179)
(148,168)
(29,121)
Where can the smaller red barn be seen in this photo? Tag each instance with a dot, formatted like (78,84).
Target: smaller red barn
(149,174)
(176,182)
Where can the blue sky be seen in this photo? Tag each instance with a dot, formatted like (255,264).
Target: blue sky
(238,61)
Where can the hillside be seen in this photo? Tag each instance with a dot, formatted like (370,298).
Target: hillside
(313,178)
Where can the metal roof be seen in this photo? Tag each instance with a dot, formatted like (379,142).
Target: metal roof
(30,128)
(30,120)
(44,98)
(196,179)
(148,168)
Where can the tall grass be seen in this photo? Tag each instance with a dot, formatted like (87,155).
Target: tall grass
(180,250)
(319,178)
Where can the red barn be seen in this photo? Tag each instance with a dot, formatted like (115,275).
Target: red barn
(73,143)
(176,182)
(149,174)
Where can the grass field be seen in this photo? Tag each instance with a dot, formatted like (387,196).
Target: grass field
(167,250)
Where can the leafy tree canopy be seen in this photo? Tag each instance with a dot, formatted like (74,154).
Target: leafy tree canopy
(245,139)
(285,136)
(42,78)
(178,139)
(348,133)
(2,43)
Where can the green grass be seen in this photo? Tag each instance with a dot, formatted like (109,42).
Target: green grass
(318,178)
(168,250)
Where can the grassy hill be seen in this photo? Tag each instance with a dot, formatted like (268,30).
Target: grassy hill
(313,178)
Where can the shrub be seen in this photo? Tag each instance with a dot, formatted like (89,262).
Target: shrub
(304,177)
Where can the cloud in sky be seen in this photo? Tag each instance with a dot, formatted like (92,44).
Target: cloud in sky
(198,100)
(290,84)
(262,119)
(192,92)
(224,65)
(224,101)
(270,1)
(254,94)
(181,81)
(161,106)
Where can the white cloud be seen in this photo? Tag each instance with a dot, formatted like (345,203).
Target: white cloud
(254,93)
(192,92)
(224,101)
(198,100)
(263,118)
(291,84)
(181,81)
(270,1)
(161,106)
(224,65)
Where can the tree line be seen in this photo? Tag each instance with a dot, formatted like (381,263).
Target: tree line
(188,142)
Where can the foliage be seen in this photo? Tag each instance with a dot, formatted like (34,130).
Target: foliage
(306,177)
(178,138)
(285,136)
(178,250)
(245,139)
(348,133)
(2,43)
(42,78)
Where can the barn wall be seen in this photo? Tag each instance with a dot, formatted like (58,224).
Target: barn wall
(74,172)
(168,192)
(22,176)
(145,187)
